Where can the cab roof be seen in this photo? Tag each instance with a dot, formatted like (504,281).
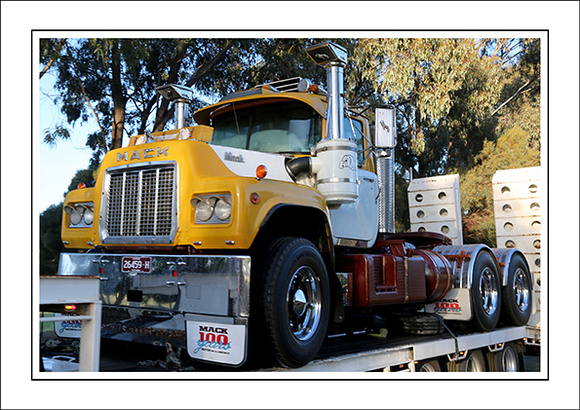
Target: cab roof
(317,102)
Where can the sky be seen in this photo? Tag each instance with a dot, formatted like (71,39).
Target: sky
(58,164)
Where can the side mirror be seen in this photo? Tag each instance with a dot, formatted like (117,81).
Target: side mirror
(385,127)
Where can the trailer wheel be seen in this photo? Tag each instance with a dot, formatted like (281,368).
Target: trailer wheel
(296,300)
(473,362)
(506,360)
(428,366)
(485,293)
(517,295)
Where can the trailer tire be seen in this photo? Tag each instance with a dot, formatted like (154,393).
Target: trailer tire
(517,295)
(509,359)
(486,293)
(428,366)
(296,300)
(473,362)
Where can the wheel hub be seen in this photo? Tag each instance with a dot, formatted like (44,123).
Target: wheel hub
(304,298)
(299,303)
(489,291)
(521,290)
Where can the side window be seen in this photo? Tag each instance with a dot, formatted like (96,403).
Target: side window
(348,125)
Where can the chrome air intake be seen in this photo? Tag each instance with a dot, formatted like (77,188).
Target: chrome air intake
(336,156)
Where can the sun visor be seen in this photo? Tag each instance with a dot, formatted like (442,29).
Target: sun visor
(203,115)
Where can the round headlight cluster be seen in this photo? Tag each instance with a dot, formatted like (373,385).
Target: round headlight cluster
(80,214)
(212,208)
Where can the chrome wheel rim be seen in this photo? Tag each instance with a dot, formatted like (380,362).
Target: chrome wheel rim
(521,288)
(488,288)
(509,360)
(304,301)
(427,367)
(474,365)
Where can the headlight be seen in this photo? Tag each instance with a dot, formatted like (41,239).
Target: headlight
(222,209)
(76,214)
(212,209)
(88,216)
(203,210)
(80,215)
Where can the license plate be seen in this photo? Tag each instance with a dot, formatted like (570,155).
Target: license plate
(139,264)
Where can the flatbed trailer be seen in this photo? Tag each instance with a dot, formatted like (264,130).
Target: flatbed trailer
(410,353)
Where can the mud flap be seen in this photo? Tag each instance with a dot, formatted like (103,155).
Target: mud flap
(456,305)
(216,342)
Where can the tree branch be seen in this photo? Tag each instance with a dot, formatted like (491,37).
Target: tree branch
(519,91)
(47,66)
(94,113)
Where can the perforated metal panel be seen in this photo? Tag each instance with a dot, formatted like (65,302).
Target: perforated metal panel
(517,197)
(435,206)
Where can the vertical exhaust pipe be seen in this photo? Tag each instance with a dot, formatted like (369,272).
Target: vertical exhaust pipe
(333,58)
(385,142)
(182,96)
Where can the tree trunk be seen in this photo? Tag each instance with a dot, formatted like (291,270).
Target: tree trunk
(163,112)
(119,100)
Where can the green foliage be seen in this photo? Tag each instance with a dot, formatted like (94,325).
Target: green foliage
(512,150)
(50,242)
(51,136)
(86,176)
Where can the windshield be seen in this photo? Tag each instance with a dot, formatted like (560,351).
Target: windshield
(279,126)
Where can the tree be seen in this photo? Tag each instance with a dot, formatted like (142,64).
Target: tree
(50,226)
(50,243)
(513,149)
(114,80)
(443,89)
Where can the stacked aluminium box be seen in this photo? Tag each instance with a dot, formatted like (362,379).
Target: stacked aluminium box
(435,206)
(517,197)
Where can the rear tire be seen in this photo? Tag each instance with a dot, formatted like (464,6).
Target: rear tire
(486,293)
(517,295)
(296,300)
(473,362)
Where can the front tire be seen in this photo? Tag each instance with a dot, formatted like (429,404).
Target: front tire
(296,300)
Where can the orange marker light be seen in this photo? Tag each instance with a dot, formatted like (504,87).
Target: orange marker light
(81,185)
(261,172)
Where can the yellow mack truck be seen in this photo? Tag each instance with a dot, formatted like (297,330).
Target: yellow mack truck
(265,223)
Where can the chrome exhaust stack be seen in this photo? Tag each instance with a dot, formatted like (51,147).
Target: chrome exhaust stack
(182,96)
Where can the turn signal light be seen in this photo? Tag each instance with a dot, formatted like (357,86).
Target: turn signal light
(261,172)
(70,307)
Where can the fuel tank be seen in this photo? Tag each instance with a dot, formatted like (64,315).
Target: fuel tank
(396,273)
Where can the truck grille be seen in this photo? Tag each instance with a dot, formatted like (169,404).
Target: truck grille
(139,204)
